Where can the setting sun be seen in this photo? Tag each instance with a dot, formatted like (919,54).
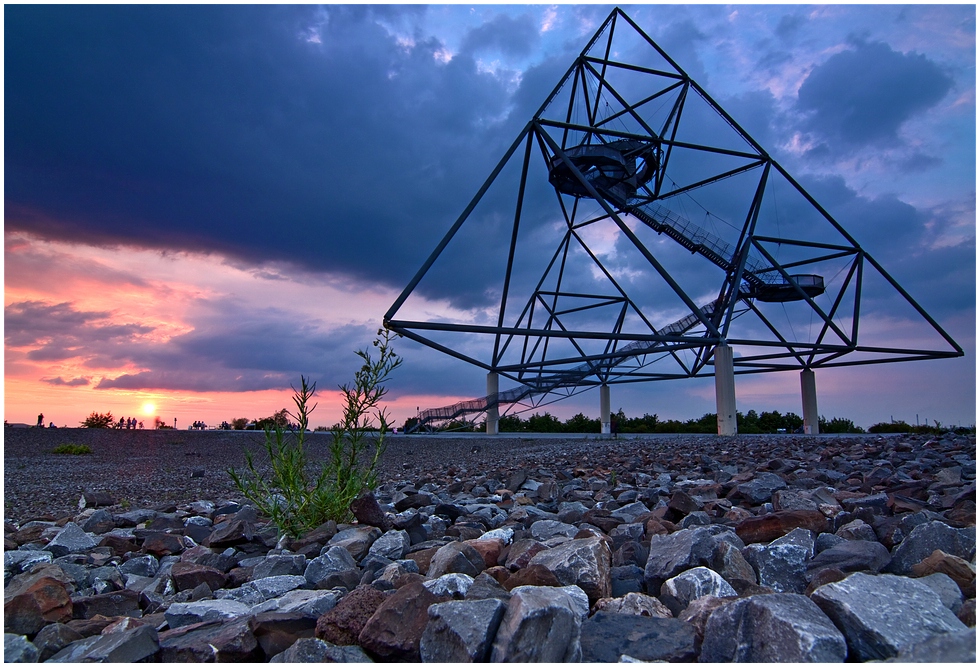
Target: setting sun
(149,409)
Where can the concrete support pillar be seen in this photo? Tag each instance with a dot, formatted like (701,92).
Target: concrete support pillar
(811,419)
(604,410)
(493,411)
(725,390)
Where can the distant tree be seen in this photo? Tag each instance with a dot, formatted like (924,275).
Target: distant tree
(99,420)
(546,423)
(511,424)
(581,424)
(240,423)
(839,425)
(890,427)
(410,423)
(160,424)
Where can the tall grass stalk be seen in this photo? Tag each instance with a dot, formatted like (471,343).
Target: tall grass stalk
(295,500)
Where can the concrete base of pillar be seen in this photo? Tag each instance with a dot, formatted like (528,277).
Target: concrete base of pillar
(493,411)
(811,418)
(725,390)
(604,410)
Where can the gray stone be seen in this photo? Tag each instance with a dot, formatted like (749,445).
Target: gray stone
(856,530)
(100,522)
(309,603)
(454,585)
(485,587)
(583,562)
(571,512)
(945,588)
(548,528)
(926,538)
(630,513)
(357,541)
(760,489)
(504,533)
(678,551)
(135,645)
(334,567)
(782,564)
(882,614)
(185,613)
(461,631)
(71,540)
(142,566)
(634,604)
(456,557)
(851,556)
(772,628)
(728,561)
(540,624)
(310,649)
(949,647)
(611,637)
(825,541)
(278,564)
(17,648)
(393,545)
(696,583)
(273,587)
(52,638)
(74,651)
(22,560)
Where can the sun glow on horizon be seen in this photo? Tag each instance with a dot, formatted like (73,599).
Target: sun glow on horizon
(149,409)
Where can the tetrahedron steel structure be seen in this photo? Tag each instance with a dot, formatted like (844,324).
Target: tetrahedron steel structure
(634,226)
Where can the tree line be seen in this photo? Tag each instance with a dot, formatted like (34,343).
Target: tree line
(751,422)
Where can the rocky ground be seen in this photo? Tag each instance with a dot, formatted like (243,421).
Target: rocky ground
(757,548)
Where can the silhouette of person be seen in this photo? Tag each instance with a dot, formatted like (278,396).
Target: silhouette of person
(40,420)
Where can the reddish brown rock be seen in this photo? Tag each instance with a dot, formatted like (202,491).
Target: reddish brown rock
(968,613)
(215,641)
(489,549)
(342,624)
(769,527)
(188,576)
(956,568)
(120,545)
(423,558)
(31,602)
(521,552)
(87,627)
(395,629)
(368,512)
(162,544)
(499,573)
(116,603)
(532,575)
(276,631)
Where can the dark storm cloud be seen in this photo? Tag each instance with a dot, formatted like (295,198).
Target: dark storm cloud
(265,133)
(228,349)
(863,95)
(61,382)
(56,330)
(514,36)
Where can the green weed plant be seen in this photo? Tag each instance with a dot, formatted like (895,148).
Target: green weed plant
(298,501)
(72,449)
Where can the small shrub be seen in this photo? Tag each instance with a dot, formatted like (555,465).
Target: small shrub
(99,420)
(72,448)
(298,502)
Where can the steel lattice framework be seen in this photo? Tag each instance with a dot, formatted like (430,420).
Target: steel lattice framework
(618,155)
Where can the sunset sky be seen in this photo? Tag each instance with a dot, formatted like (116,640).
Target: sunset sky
(203,203)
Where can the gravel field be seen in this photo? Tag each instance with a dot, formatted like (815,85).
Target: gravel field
(148,468)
